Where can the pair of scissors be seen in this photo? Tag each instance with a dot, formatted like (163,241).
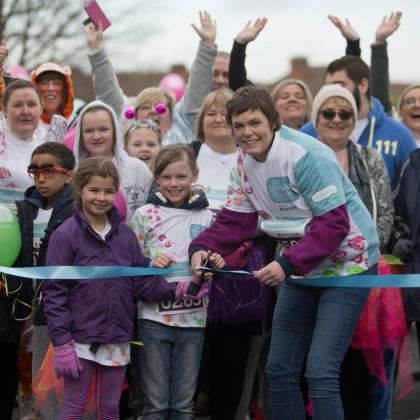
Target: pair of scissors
(194,288)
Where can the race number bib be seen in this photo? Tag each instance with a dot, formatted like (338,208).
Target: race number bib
(179,306)
(287,232)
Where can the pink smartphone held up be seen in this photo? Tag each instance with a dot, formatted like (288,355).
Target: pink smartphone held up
(96,15)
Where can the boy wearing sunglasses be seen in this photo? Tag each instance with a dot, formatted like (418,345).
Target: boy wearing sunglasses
(45,206)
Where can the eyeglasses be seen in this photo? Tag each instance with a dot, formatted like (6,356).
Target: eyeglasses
(343,114)
(411,101)
(46,171)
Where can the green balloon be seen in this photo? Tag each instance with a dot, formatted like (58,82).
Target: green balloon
(10,239)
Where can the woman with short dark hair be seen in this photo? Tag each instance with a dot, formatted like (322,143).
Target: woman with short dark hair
(305,200)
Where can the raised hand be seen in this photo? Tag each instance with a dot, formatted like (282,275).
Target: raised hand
(348,32)
(3,52)
(208,29)
(94,37)
(388,26)
(250,32)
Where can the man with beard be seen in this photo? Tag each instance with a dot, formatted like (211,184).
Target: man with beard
(374,128)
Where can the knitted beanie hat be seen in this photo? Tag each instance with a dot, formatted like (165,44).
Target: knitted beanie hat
(331,91)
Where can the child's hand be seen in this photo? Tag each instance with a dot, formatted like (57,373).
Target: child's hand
(163,261)
(66,362)
(197,259)
(216,261)
(183,290)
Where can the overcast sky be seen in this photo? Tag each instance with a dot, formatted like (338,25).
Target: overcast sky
(294,28)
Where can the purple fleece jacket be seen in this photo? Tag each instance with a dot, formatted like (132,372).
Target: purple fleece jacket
(100,310)
(231,228)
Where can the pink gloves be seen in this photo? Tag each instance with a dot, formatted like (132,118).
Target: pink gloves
(66,362)
(181,291)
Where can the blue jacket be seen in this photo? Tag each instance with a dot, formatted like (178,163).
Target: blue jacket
(102,310)
(390,137)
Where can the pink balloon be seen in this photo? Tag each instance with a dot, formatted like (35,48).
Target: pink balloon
(18,72)
(174,83)
(121,204)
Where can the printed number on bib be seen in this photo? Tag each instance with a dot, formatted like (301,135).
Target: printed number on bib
(179,305)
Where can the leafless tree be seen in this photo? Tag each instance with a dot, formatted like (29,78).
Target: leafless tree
(37,31)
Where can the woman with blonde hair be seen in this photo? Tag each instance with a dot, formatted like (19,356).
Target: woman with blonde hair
(215,147)
(293,101)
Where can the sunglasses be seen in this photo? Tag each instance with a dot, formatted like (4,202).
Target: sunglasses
(47,171)
(343,114)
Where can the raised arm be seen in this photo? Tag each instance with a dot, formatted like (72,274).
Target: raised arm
(349,34)
(199,82)
(237,70)
(379,70)
(105,81)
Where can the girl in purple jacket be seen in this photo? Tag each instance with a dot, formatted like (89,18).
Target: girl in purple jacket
(91,321)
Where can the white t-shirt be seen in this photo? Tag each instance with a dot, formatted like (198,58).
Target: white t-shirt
(15,156)
(40,223)
(213,174)
(105,231)
(358,129)
(170,230)
(107,354)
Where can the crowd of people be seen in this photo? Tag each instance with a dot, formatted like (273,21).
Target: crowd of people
(279,185)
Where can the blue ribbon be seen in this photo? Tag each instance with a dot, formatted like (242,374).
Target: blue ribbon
(394,280)
(106,272)
(88,272)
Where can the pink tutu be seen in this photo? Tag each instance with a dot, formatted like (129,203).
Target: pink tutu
(382,323)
